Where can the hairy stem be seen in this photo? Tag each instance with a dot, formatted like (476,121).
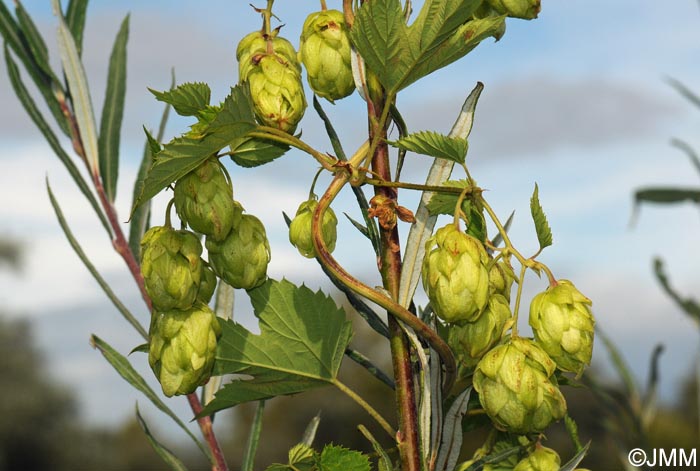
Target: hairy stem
(205,425)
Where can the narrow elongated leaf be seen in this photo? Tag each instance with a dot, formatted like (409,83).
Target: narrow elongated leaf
(422,229)
(685,92)
(126,371)
(91,268)
(139,221)
(621,367)
(498,238)
(572,464)
(113,112)
(311,429)
(303,336)
(253,438)
(31,108)
(223,307)
(689,305)
(493,458)
(336,458)
(690,152)
(451,443)
(544,233)
(187,99)
(80,93)
(166,455)
(434,145)
(383,462)
(36,44)
(668,195)
(183,154)
(13,37)
(371,368)
(75,19)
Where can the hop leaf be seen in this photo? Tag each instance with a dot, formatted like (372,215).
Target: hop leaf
(544,232)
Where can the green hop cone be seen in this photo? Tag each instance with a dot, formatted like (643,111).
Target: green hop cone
(542,459)
(255,45)
(471,340)
(516,387)
(324,49)
(182,347)
(204,200)
(241,259)
(171,267)
(563,325)
(524,9)
(207,286)
(454,274)
(501,279)
(300,229)
(277,92)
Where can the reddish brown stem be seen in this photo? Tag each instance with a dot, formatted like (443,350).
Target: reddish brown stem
(205,425)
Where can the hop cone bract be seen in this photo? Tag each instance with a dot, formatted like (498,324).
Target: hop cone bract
(542,459)
(207,286)
(256,44)
(516,387)
(563,325)
(204,200)
(182,347)
(455,275)
(241,259)
(300,229)
(501,279)
(471,340)
(171,267)
(324,50)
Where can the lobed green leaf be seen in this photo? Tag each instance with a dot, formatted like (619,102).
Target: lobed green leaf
(113,112)
(434,144)
(544,233)
(446,203)
(335,458)
(301,345)
(187,99)
(438,18)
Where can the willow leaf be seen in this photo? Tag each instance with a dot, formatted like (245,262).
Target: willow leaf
(75,19)
(166,455)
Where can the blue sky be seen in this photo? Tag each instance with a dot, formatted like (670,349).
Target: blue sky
(575,101)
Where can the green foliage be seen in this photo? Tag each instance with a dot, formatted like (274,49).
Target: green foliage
(75,19)
(332,458)
(544,233)
(435,145)
(292,319)
(166,455)
(446,203)
(187,99)
(113,112)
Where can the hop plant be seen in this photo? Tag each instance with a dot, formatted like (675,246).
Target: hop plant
(516,387)
(563,325)
(171,267)
(241,259)
(207,285)
(324,49)
(300,229)
(182,345)
(501,279)
(524,9)
(255,45)
(455,275)
(471,340)
(541,459)
(204,200)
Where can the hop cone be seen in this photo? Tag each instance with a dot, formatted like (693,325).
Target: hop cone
(562,322)
(501,279)
(324,50)
(277,92)
(255,45)
(241,258)
(542,459)
(471,340)
(300,229)
(517,389)
(455,275)
(182,345)
(525,9)
(207,286)
(171,267)
(204,200)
